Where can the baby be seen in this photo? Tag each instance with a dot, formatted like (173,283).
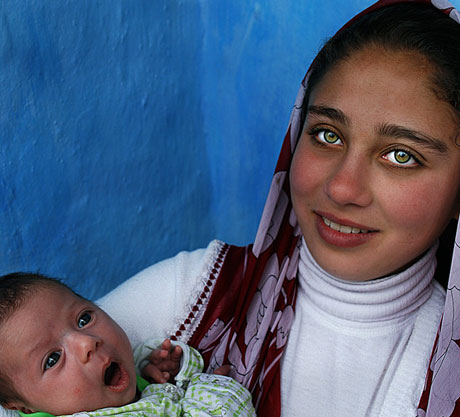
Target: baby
(61,354)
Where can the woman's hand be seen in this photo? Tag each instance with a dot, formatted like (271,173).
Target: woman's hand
(164,363)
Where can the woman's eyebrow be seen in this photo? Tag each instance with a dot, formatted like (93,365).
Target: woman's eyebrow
(388,130)
(400,132)
(328,112)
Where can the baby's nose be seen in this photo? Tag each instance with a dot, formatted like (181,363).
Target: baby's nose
(84,345)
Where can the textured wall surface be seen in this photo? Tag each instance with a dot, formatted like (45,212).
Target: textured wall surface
(131,130)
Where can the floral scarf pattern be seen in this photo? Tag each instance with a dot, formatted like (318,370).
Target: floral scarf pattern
(251,306)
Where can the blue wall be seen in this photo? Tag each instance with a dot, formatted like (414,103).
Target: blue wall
(131,130)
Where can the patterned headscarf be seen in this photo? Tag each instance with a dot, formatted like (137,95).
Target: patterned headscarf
(246,309)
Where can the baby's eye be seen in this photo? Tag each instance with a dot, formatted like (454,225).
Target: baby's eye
(401,157)
(327,136)
(52,360)
(84,319)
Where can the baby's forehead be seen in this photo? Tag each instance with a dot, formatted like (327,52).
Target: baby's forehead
(53,291)
(47,300)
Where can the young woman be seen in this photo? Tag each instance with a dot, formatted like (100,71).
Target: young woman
(334,310)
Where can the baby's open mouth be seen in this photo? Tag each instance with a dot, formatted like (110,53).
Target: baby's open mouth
(113,374)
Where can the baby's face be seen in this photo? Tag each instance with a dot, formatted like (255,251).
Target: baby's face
(66,355)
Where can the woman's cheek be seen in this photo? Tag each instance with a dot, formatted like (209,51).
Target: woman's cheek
(417,207)
(306,173)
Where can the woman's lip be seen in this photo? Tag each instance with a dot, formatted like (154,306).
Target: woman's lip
(345,222)
(340,239)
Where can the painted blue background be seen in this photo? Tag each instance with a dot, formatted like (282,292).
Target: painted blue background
(131,130)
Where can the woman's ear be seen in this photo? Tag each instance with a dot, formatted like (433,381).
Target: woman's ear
(456,208)
(457,212)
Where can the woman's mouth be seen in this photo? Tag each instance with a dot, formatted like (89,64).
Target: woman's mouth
(342,228)
(342,235)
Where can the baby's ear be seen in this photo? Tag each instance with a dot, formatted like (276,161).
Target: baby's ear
(13,405)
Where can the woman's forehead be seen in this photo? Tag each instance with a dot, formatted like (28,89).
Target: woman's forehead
(377,86)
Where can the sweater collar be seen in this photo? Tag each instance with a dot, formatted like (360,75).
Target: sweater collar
(378,300)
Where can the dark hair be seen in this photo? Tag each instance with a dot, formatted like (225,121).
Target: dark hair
(15,290)
(403,27)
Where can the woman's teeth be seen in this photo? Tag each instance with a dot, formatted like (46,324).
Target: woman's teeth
(343,229)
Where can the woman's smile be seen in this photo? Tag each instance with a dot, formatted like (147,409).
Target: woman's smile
(343,225)
(342,233)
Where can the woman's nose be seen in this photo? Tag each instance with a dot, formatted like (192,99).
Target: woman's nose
(349,182)
(83,345)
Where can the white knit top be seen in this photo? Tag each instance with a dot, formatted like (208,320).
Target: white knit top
(360,348)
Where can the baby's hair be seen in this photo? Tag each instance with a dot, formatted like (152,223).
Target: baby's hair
(17,286)
(402,27)
(15,290)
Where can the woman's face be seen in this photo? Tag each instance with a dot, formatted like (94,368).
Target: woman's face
(376,173)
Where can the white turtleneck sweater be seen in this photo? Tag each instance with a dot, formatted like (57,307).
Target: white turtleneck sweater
(360,348)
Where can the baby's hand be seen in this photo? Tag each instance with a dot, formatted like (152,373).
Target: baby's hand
(223,370)
(164,363)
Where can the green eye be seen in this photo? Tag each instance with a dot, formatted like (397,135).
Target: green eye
(325,137)
(84,319)
(52,360)
(330,137)
(402,157)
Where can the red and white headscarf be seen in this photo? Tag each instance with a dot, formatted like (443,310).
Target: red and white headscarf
(251,292)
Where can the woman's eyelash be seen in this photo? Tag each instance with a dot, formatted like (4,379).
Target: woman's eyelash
(398,156)
(325,136)
(402,157)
